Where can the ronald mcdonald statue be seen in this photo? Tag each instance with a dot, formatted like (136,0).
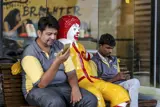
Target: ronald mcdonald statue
(87,79)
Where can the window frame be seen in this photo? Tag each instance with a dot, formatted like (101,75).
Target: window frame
(1,28)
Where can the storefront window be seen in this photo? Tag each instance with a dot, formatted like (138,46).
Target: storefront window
(1,23)
(116,17)
(20,20)
(142,44)
(88,15)
(20,23)
(127,20)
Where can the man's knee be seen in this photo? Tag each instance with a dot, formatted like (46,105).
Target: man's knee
(136,82)
(54,102)
(90,100)
(94,101)
(45,99)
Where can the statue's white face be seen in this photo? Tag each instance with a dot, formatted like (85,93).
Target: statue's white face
(73,32)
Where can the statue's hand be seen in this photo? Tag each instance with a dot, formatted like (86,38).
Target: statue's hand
(86,55)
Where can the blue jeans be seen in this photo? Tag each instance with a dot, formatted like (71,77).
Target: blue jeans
(59,96)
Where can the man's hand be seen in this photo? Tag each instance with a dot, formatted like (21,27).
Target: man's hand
(120,76)
(75,95)
(63,57)
(128,76)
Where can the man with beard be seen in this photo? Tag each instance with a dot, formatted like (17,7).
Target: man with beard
(108,68)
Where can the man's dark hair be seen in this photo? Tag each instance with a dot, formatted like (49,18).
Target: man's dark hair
(48,21)
(107,39)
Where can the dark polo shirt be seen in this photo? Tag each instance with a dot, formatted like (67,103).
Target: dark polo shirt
(33,57)
(106,70)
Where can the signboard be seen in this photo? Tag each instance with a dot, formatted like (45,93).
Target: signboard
(29,9)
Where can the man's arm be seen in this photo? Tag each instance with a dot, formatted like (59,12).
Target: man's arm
(73,81)
(118,77)
(48,76)
(34,70)
(112,80)
(75,92)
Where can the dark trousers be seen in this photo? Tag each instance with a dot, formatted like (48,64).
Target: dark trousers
(59,96)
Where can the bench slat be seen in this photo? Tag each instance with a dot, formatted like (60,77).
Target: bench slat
(11,85)
(11,81)
(15,98)
(12,90)
(13,94)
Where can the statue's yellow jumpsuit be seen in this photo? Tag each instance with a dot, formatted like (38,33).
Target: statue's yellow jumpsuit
(101,89)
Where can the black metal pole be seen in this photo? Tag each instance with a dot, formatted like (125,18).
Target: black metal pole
(155,43)
(158,45)
(1,29)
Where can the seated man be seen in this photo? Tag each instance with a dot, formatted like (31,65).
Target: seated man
(107,66)
(47,82)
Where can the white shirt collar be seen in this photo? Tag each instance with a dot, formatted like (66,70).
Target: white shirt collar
(104,58)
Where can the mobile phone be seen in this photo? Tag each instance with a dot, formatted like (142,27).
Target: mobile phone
(66,46)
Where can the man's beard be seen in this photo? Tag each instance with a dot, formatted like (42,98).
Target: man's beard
(107,54)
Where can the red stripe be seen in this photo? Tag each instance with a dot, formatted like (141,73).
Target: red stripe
(94,77)
(82,63)
(81,78)
(122,106)
(84,56)
(84,77)
(89,57)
